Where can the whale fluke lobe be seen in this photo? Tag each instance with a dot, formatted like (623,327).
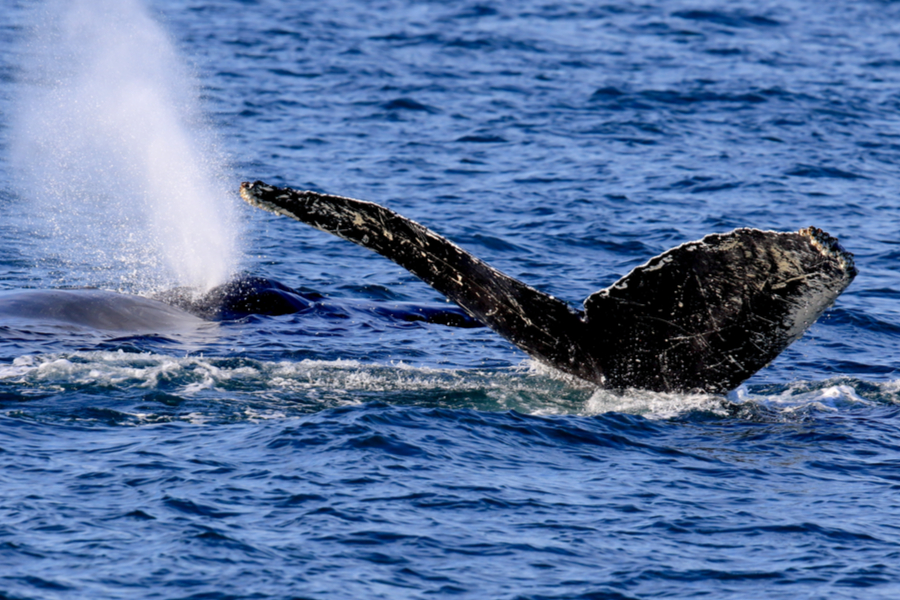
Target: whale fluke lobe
(704,316)
(708,314)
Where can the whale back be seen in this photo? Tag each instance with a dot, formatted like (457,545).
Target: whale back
(240,297)
(95,309)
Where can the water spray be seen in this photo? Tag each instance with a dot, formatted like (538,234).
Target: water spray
(110,150)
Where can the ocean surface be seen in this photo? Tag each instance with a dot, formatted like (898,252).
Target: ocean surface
(318,457)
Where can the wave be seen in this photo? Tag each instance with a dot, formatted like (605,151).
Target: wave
(148,388)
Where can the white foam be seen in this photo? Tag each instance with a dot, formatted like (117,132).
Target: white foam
(279,384)
(198,373)
(654,405)
(825,396)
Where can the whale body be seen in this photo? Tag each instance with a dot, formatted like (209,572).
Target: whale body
(95,309)
(702,317)
(252,295)
(184,309)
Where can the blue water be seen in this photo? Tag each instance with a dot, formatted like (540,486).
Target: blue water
(564,143)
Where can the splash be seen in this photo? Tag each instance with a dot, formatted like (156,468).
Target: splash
(109,148)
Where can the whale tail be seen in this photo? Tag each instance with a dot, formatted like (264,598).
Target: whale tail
(704,316)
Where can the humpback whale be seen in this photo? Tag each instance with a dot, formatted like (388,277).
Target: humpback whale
(95,309)
(701,317)
(251,295)
(184,309)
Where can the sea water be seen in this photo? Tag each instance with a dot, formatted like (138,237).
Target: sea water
(564,143)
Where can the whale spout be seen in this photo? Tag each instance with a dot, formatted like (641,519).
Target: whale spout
(702,317)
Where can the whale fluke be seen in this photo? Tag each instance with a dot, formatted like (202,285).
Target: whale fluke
(703,317)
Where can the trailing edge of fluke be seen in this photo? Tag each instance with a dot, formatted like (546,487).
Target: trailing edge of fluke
(702,317)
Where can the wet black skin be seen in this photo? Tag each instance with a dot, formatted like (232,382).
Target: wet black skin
(249,295)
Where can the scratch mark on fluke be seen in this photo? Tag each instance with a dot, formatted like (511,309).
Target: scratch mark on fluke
(704,316)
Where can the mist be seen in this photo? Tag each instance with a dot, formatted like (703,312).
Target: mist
(112,156)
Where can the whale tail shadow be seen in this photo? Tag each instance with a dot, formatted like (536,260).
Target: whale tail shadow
(702,317)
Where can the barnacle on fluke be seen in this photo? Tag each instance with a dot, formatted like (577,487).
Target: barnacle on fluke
(829,246)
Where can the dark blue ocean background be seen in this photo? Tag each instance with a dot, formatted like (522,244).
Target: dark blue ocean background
(563,142)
